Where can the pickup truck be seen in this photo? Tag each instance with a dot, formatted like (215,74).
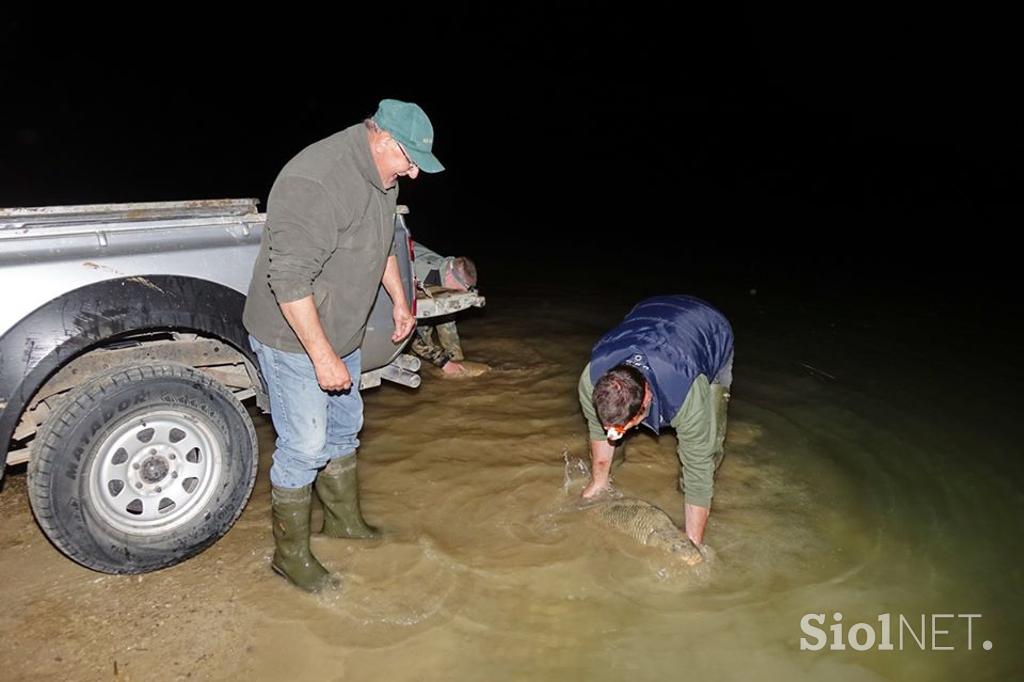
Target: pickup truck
(124,364)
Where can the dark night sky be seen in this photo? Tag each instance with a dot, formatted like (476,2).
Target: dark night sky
(819,146)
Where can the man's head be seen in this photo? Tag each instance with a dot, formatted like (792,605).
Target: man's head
(460,274)
(621,398)
(401,138)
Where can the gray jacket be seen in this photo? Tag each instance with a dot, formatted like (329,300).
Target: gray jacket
(330,228)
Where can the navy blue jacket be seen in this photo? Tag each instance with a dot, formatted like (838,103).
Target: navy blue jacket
(670,339)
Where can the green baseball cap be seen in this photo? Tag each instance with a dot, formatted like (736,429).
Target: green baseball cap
(409,125)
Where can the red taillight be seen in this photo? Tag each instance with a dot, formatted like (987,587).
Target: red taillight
(412,259)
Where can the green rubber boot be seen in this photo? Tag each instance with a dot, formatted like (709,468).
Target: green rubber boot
(292,556)
(338,488)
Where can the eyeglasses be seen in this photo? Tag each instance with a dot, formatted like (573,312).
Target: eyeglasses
(412,164)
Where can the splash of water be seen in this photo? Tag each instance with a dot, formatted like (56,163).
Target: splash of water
(573,470)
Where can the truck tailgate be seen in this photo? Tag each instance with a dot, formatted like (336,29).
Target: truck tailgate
(435,302)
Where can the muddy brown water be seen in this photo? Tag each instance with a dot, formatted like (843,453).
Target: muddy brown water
(856,481)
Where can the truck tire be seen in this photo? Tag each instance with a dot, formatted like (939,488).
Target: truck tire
(142,467)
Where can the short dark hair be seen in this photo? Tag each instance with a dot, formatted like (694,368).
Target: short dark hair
(619,395)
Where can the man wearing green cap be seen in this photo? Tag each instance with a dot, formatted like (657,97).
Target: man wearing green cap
(326,248)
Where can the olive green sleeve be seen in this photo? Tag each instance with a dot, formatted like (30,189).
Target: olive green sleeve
(586,392)
(696,434)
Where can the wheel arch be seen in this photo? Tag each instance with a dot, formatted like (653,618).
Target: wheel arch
(54,334)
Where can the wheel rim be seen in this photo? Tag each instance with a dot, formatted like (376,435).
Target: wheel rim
(156,471)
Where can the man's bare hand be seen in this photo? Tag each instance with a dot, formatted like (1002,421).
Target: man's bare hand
(601,452)
(453,368)
(332,374)
(404,322)
(594,488)
(696,521)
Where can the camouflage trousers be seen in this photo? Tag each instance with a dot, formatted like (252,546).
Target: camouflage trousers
(438,343)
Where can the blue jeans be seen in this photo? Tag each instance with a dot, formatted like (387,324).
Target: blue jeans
(313,426)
